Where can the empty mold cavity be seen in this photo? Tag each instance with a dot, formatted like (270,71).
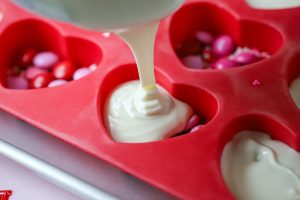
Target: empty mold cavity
(39,36)
(249,155)
(257,37)
(273,4)
(203,103)
(293,78)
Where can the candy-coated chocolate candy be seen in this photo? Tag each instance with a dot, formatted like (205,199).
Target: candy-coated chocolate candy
(193,61)
(189,47)
(41,81)
(223,46)
(17,82)
(64,70)
(192,122)
(57,82)
(14,70)
(32,72)
(93,67)
(245,58)
(204,37)
(27,57)
(224,63)
(196,128)
(81,72)
(45,60)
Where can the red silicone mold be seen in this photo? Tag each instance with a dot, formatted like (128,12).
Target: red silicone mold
(187,166)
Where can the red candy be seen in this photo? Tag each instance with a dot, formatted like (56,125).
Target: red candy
(41,81)
(27,57)
(204,37)
(64,70)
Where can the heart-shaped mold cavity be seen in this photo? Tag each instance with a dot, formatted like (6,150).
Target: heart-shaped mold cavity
(203,103)
(256,144)
(24,41)
(273,4)
(221,42)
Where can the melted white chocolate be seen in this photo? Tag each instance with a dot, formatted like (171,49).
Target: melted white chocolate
(258,168)
(134,117)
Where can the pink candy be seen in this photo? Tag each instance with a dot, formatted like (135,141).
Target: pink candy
(192,122)
(45,60)
(57,82)
(17,82)
(204,37)
(194,62)
(245,58)
(81,72)
(224,63)
(32,72)
(223,46)
(196,128)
